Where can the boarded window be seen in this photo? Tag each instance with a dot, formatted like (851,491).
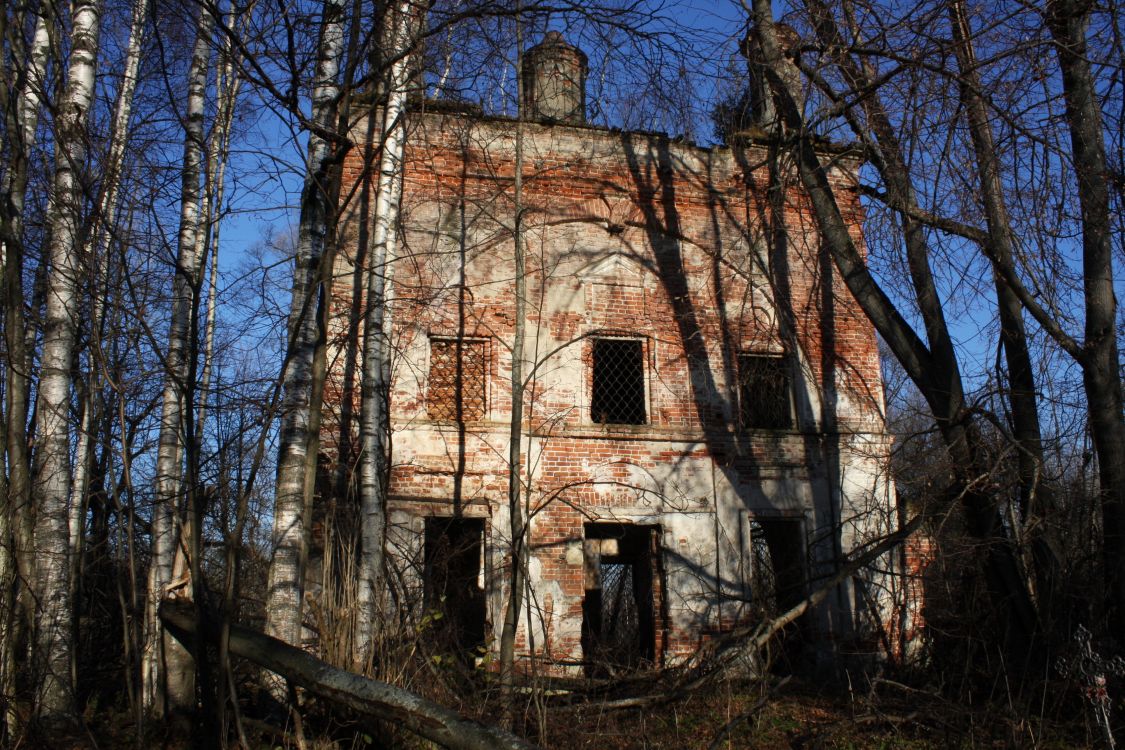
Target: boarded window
(618,391)
(763,392)
(458,380)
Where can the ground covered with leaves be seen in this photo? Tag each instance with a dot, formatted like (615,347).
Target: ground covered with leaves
(806,714)
(779,715)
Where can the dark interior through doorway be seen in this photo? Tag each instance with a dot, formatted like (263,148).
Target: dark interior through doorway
(778,581)
(619,610)
(453,553)
(778,567)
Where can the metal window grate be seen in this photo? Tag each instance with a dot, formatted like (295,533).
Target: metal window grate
(458,378)
(763,392)
(618,392)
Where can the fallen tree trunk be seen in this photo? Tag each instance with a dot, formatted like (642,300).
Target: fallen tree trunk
(368,697)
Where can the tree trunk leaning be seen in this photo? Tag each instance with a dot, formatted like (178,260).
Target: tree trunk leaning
(365,696)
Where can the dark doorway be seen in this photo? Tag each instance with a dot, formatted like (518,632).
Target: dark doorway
(620,606)
(778,572)
(452,586)
(778,582)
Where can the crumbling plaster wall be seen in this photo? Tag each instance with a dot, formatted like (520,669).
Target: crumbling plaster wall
(639,236)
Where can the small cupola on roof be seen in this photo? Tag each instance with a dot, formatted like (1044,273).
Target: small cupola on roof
(554,82)
(763,112)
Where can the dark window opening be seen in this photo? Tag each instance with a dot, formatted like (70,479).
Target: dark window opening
(618,393)
(763,392)
(451,584)
(620,604)
(458,380)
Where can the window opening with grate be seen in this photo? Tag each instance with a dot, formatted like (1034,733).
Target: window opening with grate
(763,392)
(618,389)
(458,380)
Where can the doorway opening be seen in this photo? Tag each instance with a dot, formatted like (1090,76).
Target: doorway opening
(619,610)
(778,582)
(452,585)
(778,567)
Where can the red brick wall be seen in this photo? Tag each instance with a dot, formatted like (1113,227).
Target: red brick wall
(683,221)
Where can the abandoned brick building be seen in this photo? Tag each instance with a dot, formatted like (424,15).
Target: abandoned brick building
(703,432)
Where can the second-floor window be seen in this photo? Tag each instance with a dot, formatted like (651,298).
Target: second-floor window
(618,387)
(764,400)
(458,383)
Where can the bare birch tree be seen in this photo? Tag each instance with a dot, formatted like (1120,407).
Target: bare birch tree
(21,106)
(286,574)
(168,671)
(98,250)
(52,458)
(400,25)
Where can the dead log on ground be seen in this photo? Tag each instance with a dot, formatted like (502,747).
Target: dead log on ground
(368,697)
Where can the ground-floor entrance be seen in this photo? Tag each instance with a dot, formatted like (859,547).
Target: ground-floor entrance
(621,604)
(453,557)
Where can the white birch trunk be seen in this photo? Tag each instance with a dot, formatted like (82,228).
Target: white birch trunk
(167,673)
(374,419)
(52,644)
(32,97)
(99,243)
(286,574)
(227,86)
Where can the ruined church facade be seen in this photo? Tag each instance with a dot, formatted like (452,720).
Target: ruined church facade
(703,436)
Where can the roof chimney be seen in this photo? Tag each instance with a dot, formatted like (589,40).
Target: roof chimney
(763,112)
(554,82)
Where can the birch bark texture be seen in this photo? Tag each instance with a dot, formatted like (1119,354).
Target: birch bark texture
(402,22)
(286,573)
(167,670)
(98,250)
(16,534)
(52,643)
